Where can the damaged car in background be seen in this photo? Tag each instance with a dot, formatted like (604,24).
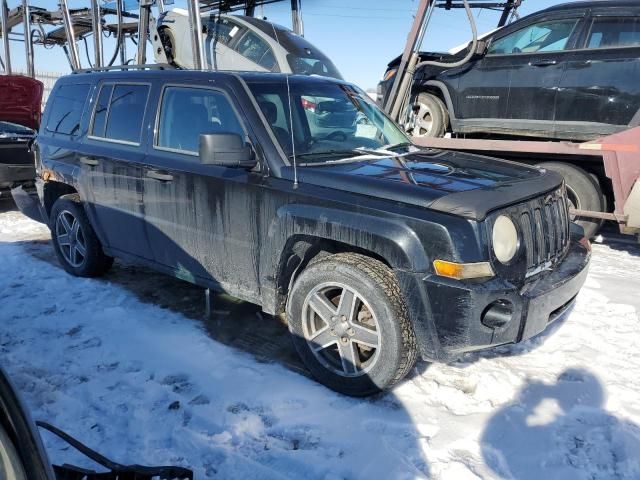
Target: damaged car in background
(242,43)
(377,252)
(568,72)
(20,110)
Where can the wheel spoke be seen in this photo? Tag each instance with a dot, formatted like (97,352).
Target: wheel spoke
(65,223)
(347,305)
(80,248)
(73,259)
(323,307)
(74,228)
(365,336)
(322,339)
(63,240)
(349,357)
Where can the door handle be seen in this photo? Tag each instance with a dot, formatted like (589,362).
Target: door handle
(543,63)
(158,175)
(92,162)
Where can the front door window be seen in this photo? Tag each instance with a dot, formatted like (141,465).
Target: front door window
(550,36)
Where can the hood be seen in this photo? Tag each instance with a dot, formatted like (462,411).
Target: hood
(21,100)
(462,184)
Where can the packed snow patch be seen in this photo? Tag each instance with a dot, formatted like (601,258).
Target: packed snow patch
(146,384)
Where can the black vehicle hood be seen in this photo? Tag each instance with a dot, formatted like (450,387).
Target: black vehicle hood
(458,183)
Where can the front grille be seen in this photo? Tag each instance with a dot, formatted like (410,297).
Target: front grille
(544,227)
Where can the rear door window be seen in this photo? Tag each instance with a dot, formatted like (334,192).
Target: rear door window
(614,32)
(66,109)
(119,112)
(188,112)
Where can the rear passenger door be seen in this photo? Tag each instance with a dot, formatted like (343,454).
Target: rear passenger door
(111,158)
(601,87)
(196,214)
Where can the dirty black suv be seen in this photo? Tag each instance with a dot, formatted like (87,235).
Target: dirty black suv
(376,251)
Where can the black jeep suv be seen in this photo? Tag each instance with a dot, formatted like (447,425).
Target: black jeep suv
(571,72)
(377,251)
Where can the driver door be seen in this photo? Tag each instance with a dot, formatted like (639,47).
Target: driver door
(201,220)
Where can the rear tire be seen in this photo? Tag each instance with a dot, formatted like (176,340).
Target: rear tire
(432,116)
(584,193)
(372,346)
(74,240)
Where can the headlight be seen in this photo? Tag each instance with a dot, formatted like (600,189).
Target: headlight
(505,239)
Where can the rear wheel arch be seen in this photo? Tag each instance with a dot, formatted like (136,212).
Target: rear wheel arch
(52,191)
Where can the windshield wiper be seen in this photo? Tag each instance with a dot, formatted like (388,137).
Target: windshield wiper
(397,145)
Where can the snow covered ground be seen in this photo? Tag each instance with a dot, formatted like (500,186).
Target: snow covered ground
(143,379)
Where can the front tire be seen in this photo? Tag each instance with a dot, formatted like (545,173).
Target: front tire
(431,116)
(350,324)
(74,240)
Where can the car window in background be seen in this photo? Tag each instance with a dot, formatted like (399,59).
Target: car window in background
(254,48)
(550,36)
(66,110)
(223,30)
(312,66)
(186,113)
(610,32)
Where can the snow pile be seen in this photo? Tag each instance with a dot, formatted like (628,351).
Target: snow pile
(144,384)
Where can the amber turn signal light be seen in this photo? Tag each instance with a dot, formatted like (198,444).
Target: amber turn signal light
(461,271)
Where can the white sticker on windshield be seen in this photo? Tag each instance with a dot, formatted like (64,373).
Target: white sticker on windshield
(233,31)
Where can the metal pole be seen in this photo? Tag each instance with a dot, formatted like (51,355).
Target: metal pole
(250,9)
(395,96)
(28,45)
(143,31)
(161,7)
(71,37)
(197,44)
(4,11)
(96,21)
(296,19)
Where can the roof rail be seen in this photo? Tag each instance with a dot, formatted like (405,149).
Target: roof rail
(150,66)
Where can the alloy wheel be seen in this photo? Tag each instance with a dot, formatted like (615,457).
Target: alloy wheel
(341,329)
(70,238)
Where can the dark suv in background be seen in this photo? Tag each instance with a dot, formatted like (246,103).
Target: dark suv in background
(571,72)
(377,251)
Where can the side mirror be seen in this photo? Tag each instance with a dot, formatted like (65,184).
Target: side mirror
(481,48)
(227,150)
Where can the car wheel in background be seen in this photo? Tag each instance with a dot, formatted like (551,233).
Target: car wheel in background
(431,116)
(350,324)
(584,193)
(74,240)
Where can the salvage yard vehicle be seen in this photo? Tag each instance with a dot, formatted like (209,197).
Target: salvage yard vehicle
(567,72)
(378,252)
(20,109)
(235,42)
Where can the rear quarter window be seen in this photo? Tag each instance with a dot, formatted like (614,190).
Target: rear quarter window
(66,110)
(119,112)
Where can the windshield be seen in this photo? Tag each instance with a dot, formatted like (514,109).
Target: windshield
(329,120)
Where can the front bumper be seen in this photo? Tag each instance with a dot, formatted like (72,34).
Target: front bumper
(453,311)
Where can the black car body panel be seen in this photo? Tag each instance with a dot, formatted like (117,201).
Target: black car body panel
(587,89)
(248,231)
